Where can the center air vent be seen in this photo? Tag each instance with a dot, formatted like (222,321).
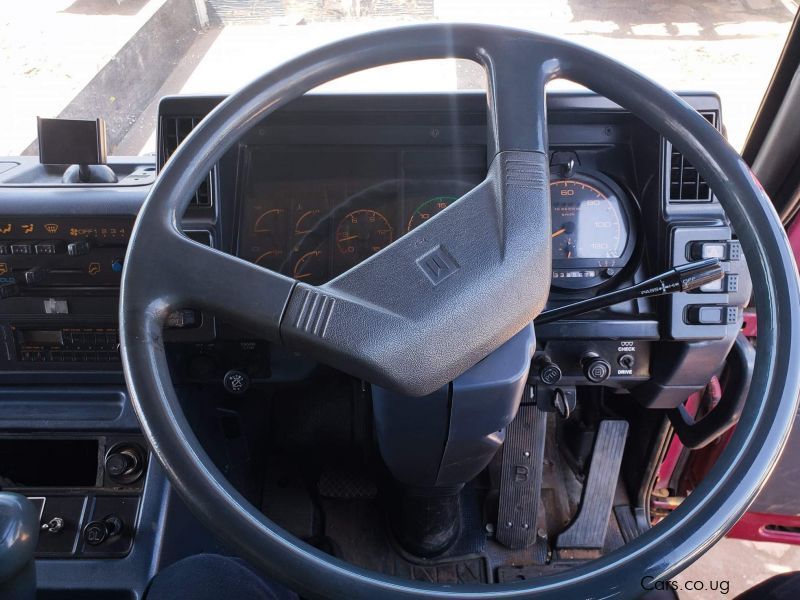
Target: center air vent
(172,131)
(685,183)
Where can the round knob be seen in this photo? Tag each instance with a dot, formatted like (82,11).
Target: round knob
(118,464)
(595,369)
(124,463)
(236,381)
(549,372)
(97,532)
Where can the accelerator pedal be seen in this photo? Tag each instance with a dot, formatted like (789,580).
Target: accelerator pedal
(588,530)
(521,478)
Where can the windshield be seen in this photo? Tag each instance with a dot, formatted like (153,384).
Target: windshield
(116,58)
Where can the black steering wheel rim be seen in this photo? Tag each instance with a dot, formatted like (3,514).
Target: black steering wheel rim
(660,552)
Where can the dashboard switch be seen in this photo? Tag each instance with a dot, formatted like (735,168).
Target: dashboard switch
(78,248)
(713,286)
(49,247)
(706,315)
(21,248)
(626,361)
(35,275)
(704,250)
(595,369)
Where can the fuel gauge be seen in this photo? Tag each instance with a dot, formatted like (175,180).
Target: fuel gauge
(311,266)
(269,238)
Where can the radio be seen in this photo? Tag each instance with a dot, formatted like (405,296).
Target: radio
(65,345)
(38,255)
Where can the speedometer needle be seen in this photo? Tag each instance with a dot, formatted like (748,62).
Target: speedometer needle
(349,237)
(558,232)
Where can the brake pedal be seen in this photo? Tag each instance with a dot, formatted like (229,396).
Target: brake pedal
(521,478)
(588,530)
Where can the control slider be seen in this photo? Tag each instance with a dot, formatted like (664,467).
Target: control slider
(683,278)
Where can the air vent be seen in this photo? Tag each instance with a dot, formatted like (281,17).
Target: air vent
(685,183)
(172,131)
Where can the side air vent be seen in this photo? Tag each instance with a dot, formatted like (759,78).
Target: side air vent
(685,183)
(172,131)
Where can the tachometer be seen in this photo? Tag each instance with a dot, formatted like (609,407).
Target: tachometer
(427,209)
(590,231)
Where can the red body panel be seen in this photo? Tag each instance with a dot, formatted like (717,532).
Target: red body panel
(765,527)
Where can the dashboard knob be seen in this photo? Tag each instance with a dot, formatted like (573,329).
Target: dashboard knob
(595,369)
(124,464)
(236,381)
(97,532)
(549,372)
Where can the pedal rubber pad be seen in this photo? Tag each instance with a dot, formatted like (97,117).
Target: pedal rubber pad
(521,478)
(588,530)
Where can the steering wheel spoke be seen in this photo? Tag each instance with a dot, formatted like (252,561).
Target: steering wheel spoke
(517,72)
(193,275)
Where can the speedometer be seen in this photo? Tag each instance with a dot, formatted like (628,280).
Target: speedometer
(590,236)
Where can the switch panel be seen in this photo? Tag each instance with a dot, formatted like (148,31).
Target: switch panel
(715,310)
(63,253)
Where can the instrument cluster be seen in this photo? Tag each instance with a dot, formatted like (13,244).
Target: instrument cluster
(316,215)
(314,212)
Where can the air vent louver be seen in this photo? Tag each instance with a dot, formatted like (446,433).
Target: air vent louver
(685,183)
(172,131)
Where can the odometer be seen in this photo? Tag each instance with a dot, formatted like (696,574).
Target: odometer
(590,234)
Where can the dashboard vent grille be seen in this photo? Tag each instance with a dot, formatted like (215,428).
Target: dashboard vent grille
(685,183)
(172,131)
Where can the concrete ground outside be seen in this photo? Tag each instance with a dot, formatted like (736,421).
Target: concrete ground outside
(50,49)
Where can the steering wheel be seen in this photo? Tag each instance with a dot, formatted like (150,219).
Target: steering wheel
(429,306)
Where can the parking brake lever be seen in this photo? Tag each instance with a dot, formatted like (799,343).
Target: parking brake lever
(683,278)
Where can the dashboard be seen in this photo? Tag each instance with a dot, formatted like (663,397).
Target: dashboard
(330,180)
